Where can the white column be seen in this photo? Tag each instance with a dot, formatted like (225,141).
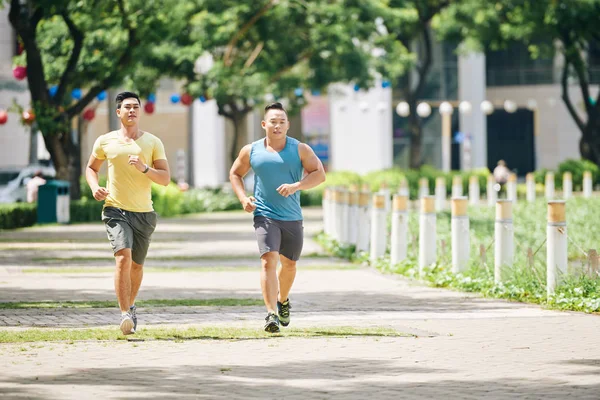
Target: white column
(549,186)
(353,215)
(567,185)
(457,186)
(587,184)
(423,187)
(345,210)
(363,235)
(403,190)
(504,239)
(446,141)
(530,183)
(399,245)
(440,193)
(474,190)
(326,211)
(511,188)
(491,192)
(472,88)
(460,234)
(209,161)
(427,233)
(378,228)
(337,213)
(556,247)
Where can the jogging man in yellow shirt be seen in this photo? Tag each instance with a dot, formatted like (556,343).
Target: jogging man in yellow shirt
(135,159)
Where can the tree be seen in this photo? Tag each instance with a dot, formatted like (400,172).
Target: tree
(406,37)
(88,44)
(276,50)
(545,27)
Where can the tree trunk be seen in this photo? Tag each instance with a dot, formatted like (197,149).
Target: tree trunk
(589,145)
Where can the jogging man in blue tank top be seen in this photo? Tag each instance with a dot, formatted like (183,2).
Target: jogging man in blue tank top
(279,163)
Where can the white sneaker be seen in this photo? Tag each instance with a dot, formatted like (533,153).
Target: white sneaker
(126,324)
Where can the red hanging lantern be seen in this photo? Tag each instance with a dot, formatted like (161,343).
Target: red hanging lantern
(149,108)
(20,72)
(89,114)
(186,99)
(3,116)
(28,117)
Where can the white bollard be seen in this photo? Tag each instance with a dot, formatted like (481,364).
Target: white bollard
(385,191)
(378,227)
(344,225)
(423,187)
(556,247)
(326,211)
(549,185)
(530,183)
(567,185)
(587,184)
(363,235)
(504,234)
(491,193)
(403,190)
(474,190)
(353,214)
(511,187)
(440,193)
(457,186)
(399,245)
(460,234)
(427,233)
(337,213)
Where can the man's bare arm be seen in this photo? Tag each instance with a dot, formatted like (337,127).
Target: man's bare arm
(238,170)
(315,173)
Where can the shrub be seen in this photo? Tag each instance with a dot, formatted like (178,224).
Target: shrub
(17,215)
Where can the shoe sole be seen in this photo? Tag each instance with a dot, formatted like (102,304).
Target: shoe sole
(284,323)
(127,327)
(272,328)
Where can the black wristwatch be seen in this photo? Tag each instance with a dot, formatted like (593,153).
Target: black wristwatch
(146,170)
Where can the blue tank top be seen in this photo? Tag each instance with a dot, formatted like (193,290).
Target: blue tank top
(271,170)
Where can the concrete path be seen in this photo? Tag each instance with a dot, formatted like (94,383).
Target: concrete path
(461,346)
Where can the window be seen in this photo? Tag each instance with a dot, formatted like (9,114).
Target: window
(514,66)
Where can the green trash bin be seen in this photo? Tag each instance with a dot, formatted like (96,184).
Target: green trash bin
(54,202)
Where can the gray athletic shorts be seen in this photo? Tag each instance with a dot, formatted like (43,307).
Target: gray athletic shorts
(129,230)
(285,237)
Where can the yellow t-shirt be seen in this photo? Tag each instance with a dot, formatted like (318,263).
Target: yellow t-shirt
(128,188)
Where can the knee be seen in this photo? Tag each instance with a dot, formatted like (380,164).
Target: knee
(269,260)
(123,258)
(289,266)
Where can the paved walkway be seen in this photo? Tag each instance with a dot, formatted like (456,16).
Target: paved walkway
(462,347)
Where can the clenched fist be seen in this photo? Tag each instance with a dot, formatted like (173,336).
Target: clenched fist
(248,204)
(100,193)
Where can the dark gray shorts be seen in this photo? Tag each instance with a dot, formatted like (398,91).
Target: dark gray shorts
(129,230)
(285,237)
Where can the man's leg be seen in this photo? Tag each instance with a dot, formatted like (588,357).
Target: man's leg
(268,280)
(137,273)
(287,274)
(123,284)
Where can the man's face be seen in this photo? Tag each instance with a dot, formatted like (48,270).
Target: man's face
(129,111)
(276,124)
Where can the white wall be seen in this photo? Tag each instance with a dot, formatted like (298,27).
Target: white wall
(557,136)
(209,159)
(361,129)
(471,88)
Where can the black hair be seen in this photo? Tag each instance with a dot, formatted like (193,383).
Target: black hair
(275,106)
(126,95)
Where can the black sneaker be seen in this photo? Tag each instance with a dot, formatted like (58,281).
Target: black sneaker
(284,312)
(272,323)
(133,316)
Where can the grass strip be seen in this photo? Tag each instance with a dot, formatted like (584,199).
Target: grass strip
(189,333)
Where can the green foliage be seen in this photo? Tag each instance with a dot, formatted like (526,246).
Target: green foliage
(208,200)
(577,168)
(85,210)
(17,215)
(167,200)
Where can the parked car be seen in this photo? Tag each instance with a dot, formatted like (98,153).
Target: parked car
(13,182)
